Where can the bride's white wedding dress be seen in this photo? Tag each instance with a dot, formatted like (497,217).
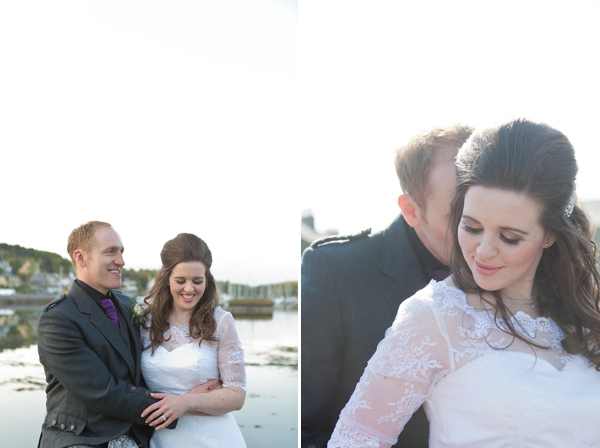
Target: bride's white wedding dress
(179,365)
(480,388)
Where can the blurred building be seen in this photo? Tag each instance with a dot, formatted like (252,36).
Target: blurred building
(592,210)
(308,233)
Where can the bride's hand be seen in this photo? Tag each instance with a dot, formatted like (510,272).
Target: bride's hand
(170,406)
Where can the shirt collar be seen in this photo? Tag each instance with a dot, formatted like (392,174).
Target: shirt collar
(92,292)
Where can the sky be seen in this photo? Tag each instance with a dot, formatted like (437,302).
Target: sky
(159,118)
(232,118)
(373,75)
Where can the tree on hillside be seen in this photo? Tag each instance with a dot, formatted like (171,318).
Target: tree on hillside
(15,264)
(141,278)
(48,262)
(26,270)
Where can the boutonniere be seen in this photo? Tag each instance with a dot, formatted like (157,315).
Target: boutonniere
(137,314)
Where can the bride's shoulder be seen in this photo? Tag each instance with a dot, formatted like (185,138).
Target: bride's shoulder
(226,328)
(446,292)
(223,317)
(436,297)
(435,293)
(145,321)
(220,313)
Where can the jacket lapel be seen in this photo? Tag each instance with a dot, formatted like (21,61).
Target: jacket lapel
(133,330)
(399,262)
(98,319)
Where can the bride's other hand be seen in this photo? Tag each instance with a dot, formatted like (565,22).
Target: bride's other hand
(170,406)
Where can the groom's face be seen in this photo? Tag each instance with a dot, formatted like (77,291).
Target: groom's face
(433,230)
(103,263)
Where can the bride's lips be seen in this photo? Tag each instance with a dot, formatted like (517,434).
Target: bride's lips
(484,269)
(187,299)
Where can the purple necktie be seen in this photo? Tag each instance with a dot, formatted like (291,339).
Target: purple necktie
(438,274)
(109,308)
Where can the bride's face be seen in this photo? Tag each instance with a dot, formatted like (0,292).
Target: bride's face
(187,283)
(502,240)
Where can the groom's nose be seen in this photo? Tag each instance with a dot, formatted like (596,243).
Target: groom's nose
(120,261)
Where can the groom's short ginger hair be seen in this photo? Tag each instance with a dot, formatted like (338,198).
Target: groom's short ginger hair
(82,237)
(414,160)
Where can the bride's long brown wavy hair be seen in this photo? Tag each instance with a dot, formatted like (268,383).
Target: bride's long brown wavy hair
(537,160)
(183,248)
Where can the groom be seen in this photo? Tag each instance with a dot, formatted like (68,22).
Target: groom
(353,285)
(91,351)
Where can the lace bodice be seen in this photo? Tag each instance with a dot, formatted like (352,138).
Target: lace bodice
(181,363)
(480,385)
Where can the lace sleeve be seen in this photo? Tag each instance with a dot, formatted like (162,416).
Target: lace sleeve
(412,357)
(230,353)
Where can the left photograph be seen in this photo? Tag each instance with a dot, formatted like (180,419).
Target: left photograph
(148,278)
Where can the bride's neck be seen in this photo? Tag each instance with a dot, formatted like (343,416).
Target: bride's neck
(179,318)
(515,302)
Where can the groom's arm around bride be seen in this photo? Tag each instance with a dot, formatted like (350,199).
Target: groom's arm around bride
(91,350)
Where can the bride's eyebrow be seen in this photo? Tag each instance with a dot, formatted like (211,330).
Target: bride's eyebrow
(512,229)
(470,218)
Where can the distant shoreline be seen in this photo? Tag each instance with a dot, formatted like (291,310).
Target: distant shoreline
(27,299)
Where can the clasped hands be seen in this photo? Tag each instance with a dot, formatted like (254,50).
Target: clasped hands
(173,406)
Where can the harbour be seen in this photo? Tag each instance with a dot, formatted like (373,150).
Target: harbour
(269,417)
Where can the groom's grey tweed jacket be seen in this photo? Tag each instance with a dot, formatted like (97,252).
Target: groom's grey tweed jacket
(351,290)
(95,390)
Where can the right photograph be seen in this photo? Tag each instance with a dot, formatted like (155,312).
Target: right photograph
(450,292)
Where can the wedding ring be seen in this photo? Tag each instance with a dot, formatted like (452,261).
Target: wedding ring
(164,418)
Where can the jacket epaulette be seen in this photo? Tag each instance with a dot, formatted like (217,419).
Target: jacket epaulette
(341,238)
(55,302)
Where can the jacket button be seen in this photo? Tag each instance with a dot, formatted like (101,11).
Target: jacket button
(54,422)
(72,427)
(132,388)
(62,426)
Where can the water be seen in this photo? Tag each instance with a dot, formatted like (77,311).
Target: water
(269,417)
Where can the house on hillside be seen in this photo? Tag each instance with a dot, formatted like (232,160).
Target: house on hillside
(5,267)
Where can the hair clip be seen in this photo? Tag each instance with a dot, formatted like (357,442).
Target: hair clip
(570,205)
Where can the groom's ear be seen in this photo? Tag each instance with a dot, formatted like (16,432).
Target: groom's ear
(79,258)
(409,210)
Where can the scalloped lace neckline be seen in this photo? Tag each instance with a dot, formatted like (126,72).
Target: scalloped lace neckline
(522,318)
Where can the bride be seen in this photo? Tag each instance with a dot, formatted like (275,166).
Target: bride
(188,340)
(506,352)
